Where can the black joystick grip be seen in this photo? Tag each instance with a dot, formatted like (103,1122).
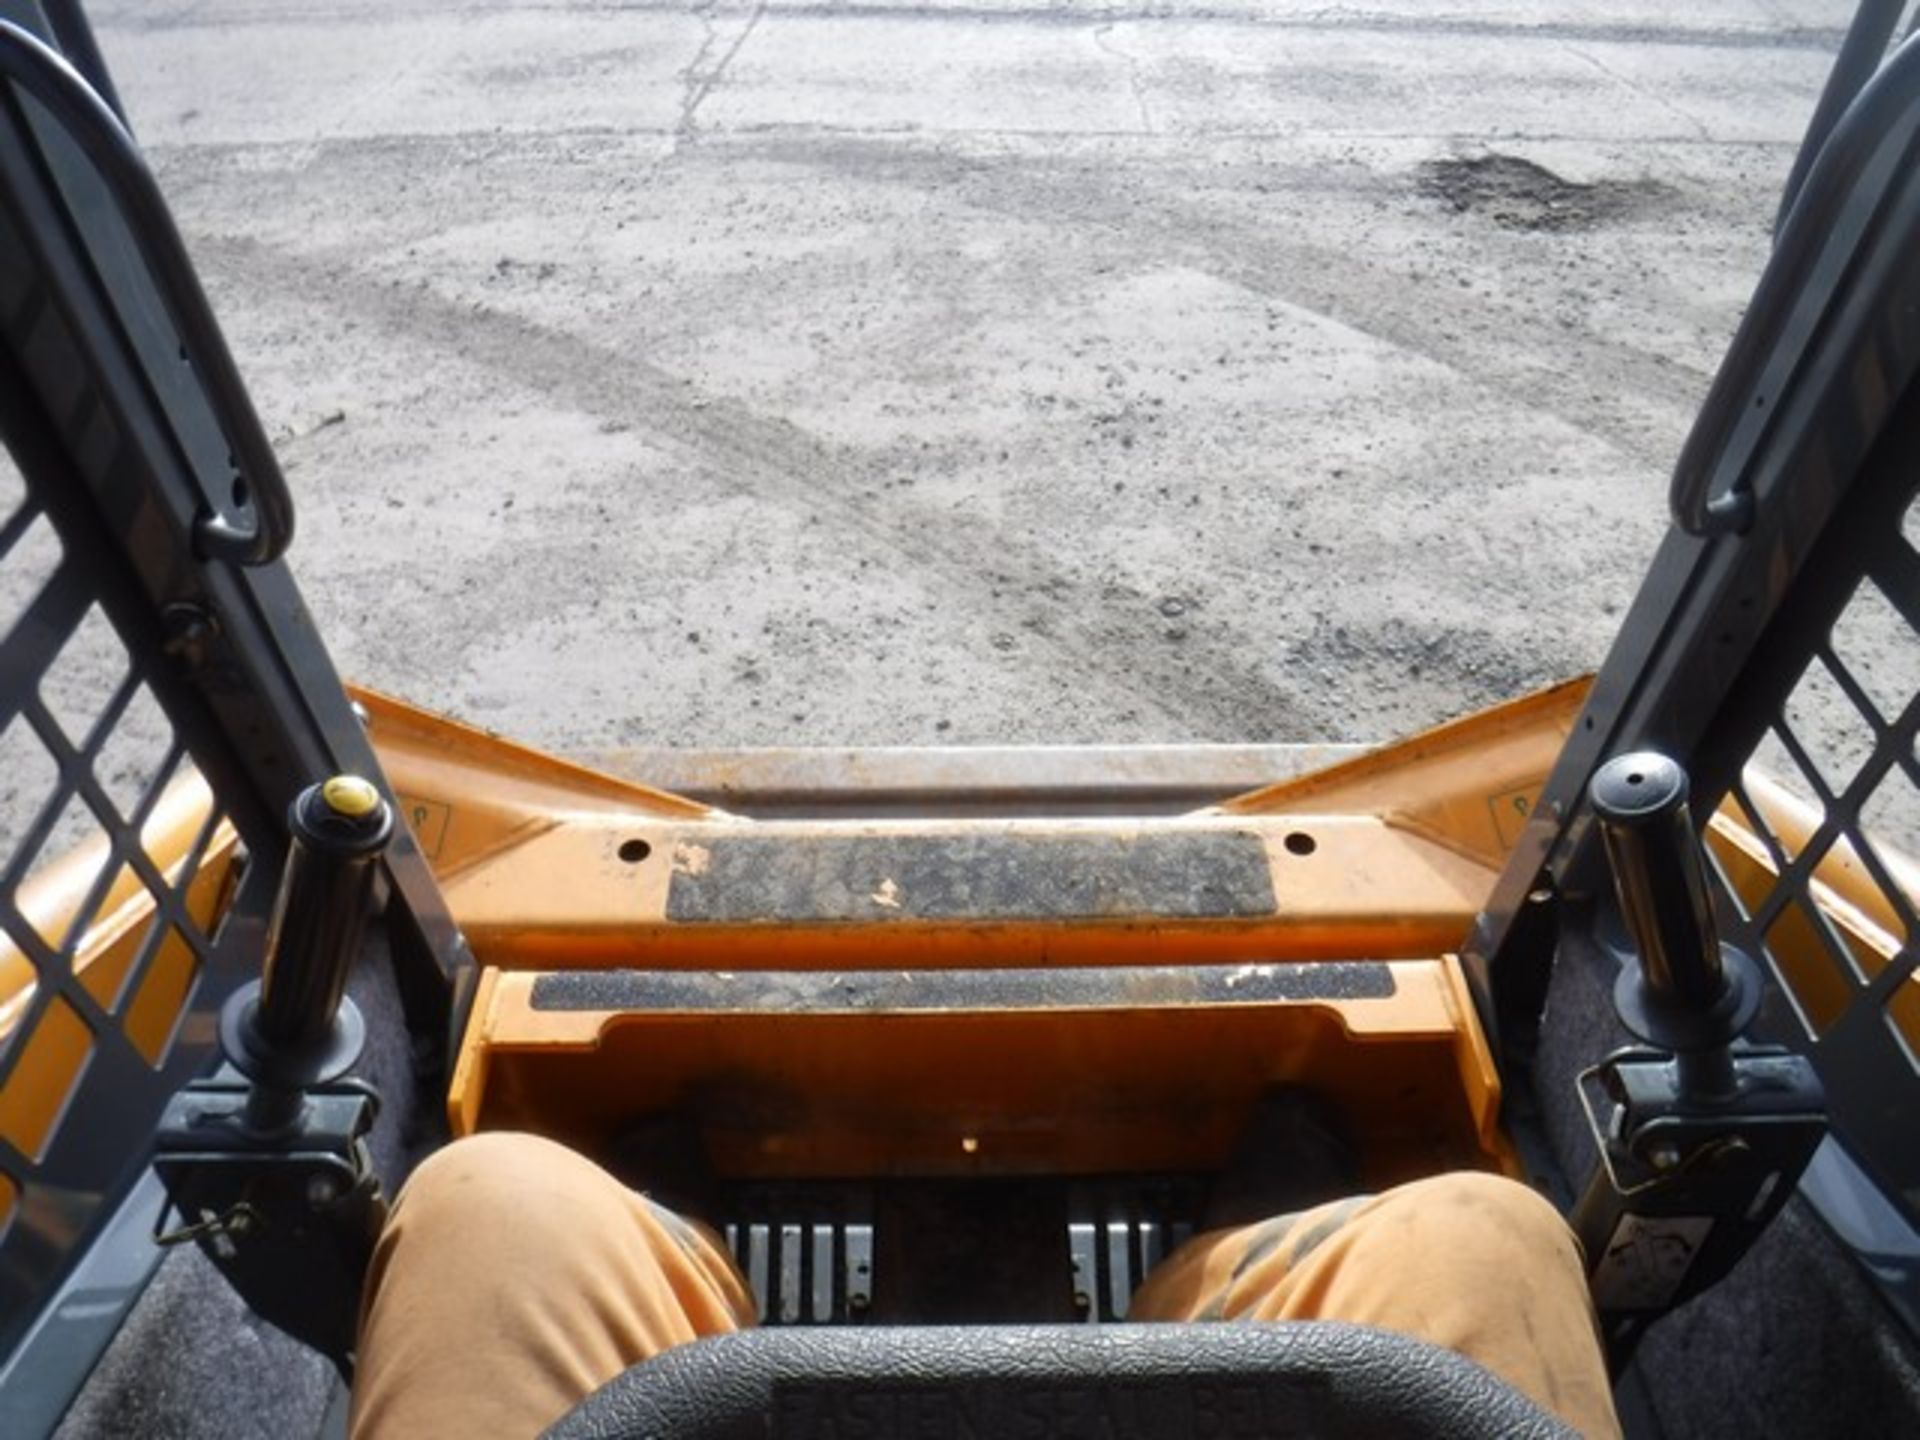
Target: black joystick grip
(1641,802)
(340,829)
(295,1028)
(1682,990)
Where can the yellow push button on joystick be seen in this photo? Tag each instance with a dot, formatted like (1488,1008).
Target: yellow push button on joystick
(350,796)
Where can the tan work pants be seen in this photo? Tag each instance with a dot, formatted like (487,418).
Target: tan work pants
(515,1277)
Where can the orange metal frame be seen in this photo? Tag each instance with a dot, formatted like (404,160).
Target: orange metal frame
(550,868)
(548,864)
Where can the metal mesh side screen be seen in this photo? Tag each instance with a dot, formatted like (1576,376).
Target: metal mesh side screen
(115,874)
(1828,894)
(147,640)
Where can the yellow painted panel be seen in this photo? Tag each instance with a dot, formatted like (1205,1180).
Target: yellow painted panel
(1903,1010)
(162,996)
(43,1080)
(103,978)
(1822,990)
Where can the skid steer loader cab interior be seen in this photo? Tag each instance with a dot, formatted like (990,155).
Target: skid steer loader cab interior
(950,1046)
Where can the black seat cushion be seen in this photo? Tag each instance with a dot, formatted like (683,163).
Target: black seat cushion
(1119,1382)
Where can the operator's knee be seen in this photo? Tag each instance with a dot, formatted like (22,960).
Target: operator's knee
(476,1172)
(534,1206)
(509,1195)
(513,1258)
(1485,1224)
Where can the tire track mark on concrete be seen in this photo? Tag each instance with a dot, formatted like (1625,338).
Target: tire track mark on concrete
(1823,39)
(174,153)
(1205,682)
(1529,367)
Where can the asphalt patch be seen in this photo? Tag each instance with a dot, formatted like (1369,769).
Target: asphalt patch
(1517,194)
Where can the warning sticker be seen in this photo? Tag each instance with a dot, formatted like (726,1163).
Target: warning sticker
(429,821)
(1510,811)
(1647,1259)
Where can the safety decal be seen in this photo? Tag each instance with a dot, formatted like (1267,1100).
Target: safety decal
(428,819)
(1647,1259)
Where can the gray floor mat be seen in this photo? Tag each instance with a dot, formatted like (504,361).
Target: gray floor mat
(1795,1342)
(192,1362)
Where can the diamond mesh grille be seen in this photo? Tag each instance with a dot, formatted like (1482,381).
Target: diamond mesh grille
(108,902)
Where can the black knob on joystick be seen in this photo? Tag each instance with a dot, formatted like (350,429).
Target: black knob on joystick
(295,1028)
(1683,990)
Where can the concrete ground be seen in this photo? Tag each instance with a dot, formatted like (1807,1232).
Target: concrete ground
(828,373)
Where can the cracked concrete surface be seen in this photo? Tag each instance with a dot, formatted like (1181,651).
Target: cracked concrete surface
(840,373)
